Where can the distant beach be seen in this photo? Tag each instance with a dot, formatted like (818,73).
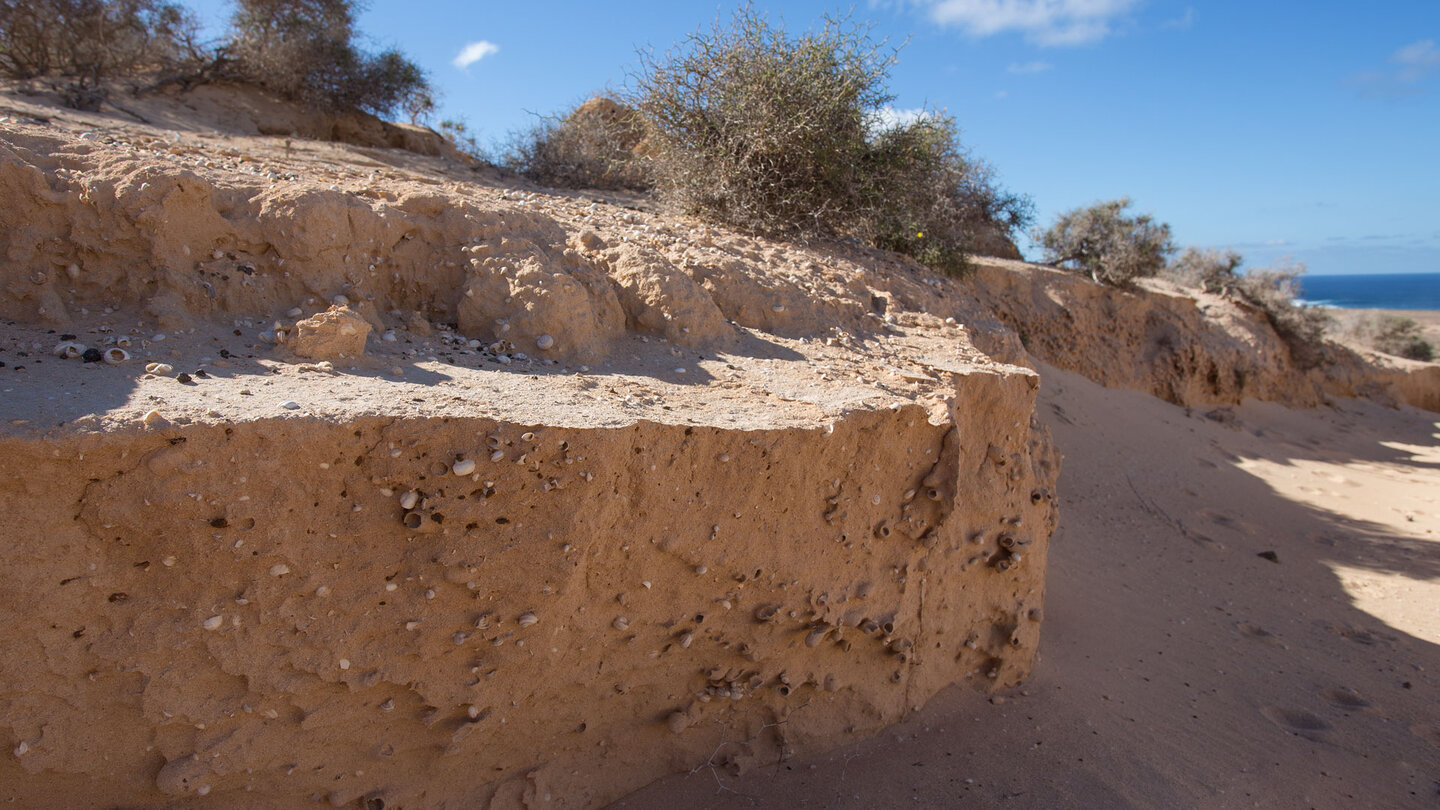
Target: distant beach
(1407,291)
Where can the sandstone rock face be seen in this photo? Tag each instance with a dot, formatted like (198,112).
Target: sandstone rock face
(246,614)
(611,493)
(335,334)
(1183,346)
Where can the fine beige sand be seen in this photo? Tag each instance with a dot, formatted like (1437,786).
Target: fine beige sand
(1177,668)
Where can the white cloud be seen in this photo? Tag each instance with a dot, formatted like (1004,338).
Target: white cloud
(1044,22)
(1182,22)
(1416,60)
(890,118)
(1026,68)
(474,52)
(1415,63)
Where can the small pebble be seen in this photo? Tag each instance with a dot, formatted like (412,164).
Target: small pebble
(290,405)
(182,377)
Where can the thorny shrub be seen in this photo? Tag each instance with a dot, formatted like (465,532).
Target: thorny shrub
(305,51)
(595,146)
(1402,338)
(786,135)
(1102,241)
(1210,270)
(78,45)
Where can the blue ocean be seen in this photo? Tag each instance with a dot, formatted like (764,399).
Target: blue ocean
(1373,291)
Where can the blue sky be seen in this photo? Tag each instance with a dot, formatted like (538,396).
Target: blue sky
(1280,128)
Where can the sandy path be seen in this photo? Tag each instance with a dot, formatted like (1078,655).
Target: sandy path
(1178,668)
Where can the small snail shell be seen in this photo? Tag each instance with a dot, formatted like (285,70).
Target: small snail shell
(69,350)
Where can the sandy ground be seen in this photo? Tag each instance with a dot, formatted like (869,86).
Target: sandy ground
(1348,319)
(1177,667)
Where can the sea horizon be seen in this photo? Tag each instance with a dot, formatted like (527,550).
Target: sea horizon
(1414,291)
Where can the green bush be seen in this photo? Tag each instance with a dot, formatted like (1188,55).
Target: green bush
(784,135)
(931,200)
(1402,338)
(1101,241)
(80,44)
(304,50)
(595,146)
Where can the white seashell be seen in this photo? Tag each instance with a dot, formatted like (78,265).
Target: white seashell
(340,301)
(497,455)
(279,570)
(621,623)
(295,312)
(527,619)
(69,350)
(160,369)
(116,356)
(152,418)
(214,622)
(544,342)
(527,437)
(409,499)
(122,342)
(344,663)
(463,467)
(290,405)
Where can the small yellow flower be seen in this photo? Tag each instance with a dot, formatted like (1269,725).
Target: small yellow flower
(920,235)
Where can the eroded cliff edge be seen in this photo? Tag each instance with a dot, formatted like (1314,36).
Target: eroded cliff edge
(608,495)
